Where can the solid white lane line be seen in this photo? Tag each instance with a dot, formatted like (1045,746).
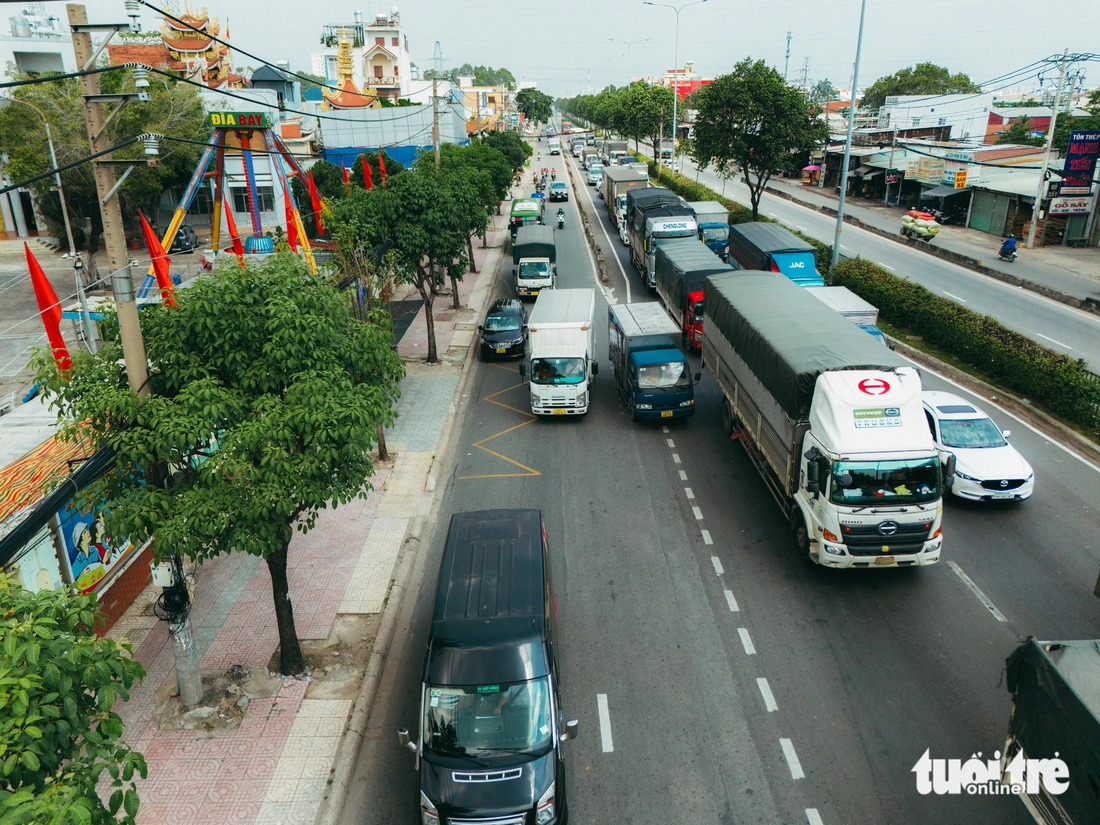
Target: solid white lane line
(1056,343)
(885,266)
(769,697)
(697,513)
(956,297)
(792,759)
(813,817)
(746,641)
(706,537)
(605,723)
(683,476)
(610,247)
(689,493)
(984,599)
(671,444)
(676,458)
(731,601)
(717,564)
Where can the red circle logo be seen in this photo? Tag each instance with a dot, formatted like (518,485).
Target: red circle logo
(873,386)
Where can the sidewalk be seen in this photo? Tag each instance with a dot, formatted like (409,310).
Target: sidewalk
(278,748)
(1071,275)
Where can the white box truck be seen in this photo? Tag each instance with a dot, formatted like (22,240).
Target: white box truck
(561,361)
(554,145)
(862,313)
(833,422)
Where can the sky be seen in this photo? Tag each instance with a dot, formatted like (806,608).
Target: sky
(565,47)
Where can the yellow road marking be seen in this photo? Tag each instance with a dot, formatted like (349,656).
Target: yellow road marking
(528,471)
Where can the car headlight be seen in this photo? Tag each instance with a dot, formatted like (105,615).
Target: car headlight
(544,812)
(428,814)
(964,476)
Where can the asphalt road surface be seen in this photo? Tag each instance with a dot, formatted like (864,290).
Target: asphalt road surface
(740,684)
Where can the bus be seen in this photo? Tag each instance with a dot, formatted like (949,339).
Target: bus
(525,212)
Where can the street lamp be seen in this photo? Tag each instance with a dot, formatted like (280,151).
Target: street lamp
(78,264)
(629,45)
(848,143)
(676,60)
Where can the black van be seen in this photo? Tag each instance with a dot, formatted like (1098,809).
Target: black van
(491,725)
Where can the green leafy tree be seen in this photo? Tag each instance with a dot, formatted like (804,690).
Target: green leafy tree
(514,148)
(922,79)
(751,118)
(1065,125)
(823,92)
(1019,133)
(537,107)
(1093,105)
(58,732)
(175,109)
(265,391)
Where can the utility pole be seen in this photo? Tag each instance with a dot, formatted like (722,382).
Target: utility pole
(435,118)
(114,236)
(787,59)
(1036,210)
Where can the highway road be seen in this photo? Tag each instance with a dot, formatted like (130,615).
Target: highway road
(739,683)
(1053,324)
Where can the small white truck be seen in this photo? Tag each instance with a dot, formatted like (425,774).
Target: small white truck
(561,363)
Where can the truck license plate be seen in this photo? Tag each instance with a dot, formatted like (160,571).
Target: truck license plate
(885,560)
(666,413)
(501,350)
(559,412)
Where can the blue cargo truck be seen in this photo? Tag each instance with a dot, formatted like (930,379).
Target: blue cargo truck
(771,248)
(650,372)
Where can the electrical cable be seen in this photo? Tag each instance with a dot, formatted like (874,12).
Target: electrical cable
(68,166)
(53,77)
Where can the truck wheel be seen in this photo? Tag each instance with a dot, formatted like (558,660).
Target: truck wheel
(729,420)
(801,533)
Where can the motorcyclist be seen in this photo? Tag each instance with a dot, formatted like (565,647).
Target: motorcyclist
(553,174)
(561,218)
(1009,246)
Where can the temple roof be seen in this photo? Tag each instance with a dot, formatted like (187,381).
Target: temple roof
(348,96)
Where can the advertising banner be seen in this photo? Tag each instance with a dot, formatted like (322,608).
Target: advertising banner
(1080,164)
(1070,206)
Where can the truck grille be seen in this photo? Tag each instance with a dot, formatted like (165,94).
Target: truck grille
(885,538)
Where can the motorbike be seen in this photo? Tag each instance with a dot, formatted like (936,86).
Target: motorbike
(561,220)
(1006,254)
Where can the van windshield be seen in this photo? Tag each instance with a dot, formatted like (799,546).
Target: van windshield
(487,720)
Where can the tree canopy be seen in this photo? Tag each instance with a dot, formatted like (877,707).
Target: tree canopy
(482,75)
(537,107)
(922,79)
(751,118)
(1019,133)
(58,732)
(515,149)
(265,392)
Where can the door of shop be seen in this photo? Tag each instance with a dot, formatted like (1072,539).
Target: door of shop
(989,212)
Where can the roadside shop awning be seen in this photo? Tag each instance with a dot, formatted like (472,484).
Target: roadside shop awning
(942,192)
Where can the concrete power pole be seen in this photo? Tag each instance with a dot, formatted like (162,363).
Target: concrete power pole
(787,59)
(114,236)
(435,119)
(1037,208)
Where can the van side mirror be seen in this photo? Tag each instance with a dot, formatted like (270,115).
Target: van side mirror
(572,727)
(522,370)
(698,377)
(405,740)
(481,328)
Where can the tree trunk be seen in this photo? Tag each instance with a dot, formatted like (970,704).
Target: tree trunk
(426,292)
(454,293)
(383,450)
(291,660)
(473,264)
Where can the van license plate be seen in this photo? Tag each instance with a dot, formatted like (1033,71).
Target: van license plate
(666,413)
(501,350)
(885,560)
(559,412)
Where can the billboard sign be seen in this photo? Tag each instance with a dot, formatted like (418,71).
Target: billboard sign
(1080,163)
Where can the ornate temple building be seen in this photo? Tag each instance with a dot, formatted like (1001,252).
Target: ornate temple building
(346,95)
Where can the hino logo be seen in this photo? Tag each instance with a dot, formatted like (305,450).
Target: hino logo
(887,528)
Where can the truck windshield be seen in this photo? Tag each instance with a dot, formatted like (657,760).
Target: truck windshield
(664,377)
(534,269)
(557,370)
(878,482)
(487,720)
(695,312)
(716,233)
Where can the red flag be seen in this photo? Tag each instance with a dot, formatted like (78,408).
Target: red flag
(160,260)
(381,168)
(368,178)
(344,171)
(50,309)
(231,227)
(291,225)
(315,201)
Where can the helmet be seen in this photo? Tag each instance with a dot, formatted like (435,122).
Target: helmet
(1013,237)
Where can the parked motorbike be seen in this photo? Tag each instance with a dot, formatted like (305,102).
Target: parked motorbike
(1007,254)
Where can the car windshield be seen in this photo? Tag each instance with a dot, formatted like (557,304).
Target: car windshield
(876,482)
(664,377)
(557,370)
(502,323)
(487,720)
(557,185)
(534,269)
(970,433)
(716,233)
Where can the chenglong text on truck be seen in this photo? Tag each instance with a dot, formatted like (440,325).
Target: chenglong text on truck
(831,419)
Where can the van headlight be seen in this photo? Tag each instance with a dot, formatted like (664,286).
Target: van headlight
(689,403)
(545,810)
(428,814)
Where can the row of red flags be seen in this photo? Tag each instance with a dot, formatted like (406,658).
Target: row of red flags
(368,176)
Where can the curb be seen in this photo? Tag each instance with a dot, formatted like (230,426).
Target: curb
(589,233)
(330,811)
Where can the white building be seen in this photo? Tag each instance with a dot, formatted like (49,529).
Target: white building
(36,42)
(966,114)
(380,54)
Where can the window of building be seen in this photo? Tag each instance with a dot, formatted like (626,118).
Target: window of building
(265,194)
(377,72)
(916,121)
(379,41)
(395,70)
(394,42)
(203,204)
(943,121)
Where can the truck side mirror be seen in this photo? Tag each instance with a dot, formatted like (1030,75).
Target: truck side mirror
(595,367)
(949,466)
(405,740)
(572,727)
(812,476)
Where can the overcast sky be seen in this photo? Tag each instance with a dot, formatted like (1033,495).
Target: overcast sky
(563,46)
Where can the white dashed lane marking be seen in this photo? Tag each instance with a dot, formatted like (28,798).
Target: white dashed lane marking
(813,817)
(689,493)
(697,513)
(717,562)
(769,697)
(792,759)
(706,537)
(746,641)
(605,723)
(731,601)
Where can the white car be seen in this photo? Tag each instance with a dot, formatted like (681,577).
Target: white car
(987,467)
(595,175)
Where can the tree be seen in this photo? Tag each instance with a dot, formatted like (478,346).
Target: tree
(923,79)
(752,118)
(823,92)
(1065,125)
(1018,133)
(58,732)
(515,149)
(536,106)
(175,109)
(264,395)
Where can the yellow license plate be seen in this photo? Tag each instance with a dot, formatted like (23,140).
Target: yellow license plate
(666,413)
(501,350)
(559,412)
(885,560)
